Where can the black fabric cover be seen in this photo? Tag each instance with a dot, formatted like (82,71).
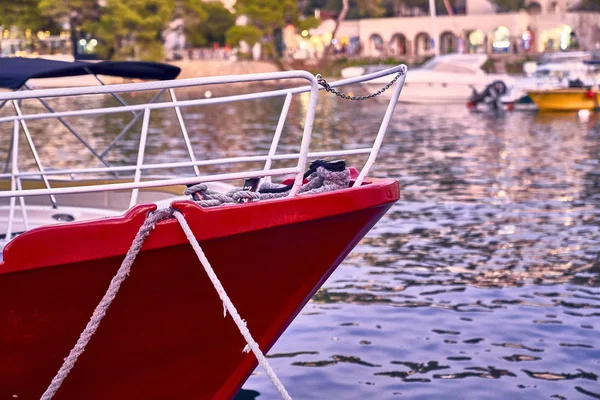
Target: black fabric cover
(15,71)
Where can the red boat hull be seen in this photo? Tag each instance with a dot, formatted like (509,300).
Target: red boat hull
(165,335)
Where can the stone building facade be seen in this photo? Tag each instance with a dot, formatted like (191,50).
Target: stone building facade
(546,26)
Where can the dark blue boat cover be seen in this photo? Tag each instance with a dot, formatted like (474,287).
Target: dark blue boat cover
(15,71)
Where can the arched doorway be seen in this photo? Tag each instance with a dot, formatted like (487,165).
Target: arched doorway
(399,45)
(375,45)
(448,43)
(501,40)
(534,8)
(559,38)
(422,44)
(476,41)
(566,37)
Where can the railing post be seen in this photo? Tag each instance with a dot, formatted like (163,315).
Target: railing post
(13,179)
(140,160)
(382,129)
(36,157)
(184,131)
(306,135)
(277,135)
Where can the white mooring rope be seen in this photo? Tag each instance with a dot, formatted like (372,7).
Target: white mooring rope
(115,284)
(241,324)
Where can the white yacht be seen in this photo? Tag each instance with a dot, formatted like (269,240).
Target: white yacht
(351,72)
(449,78)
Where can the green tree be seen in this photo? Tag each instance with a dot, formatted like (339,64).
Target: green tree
(587,5)
(80,15)
(356,8)
(193,13)
(218,21)
(394,7)
(133,28)
(24,14)
(249,34)
(340,17)
(268,16)
(509,5)
(307,23)
(126,28)
(77,13)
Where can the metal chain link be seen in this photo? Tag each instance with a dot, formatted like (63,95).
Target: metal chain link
(321,81)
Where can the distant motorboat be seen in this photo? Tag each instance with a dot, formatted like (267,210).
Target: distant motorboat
(549,76)
(352,72)
(566,56)
(571,99)
(446,79)
(450,78)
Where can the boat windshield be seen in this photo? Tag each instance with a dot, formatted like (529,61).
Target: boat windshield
(548,73)
(457,66)
(562,70)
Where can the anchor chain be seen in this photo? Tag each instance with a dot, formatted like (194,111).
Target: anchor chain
(321,81)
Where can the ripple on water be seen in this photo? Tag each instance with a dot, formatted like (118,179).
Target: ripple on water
(482,282)
(486,273)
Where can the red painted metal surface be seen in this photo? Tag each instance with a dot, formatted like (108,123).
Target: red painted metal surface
(165,336)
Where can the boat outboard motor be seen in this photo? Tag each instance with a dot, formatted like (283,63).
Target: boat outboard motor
(490,95)
(576,83)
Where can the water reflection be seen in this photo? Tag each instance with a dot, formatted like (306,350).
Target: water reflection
(483,282)
(489,262)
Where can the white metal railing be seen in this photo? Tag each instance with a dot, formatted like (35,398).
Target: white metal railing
(19,121)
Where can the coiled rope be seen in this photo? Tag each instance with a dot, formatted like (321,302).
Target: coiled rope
(322,176)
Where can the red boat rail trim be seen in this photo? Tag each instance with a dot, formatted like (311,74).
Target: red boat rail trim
(81,241)
(165,335)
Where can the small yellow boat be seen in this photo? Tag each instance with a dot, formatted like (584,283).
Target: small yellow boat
(571,99)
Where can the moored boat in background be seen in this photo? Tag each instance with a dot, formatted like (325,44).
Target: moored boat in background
(570,99)
(581,93)
(551,75)
(446,79)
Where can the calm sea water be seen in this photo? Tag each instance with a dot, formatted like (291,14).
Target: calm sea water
(483,282)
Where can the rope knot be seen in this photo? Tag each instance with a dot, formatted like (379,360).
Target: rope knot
(245,195)
(199,188)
